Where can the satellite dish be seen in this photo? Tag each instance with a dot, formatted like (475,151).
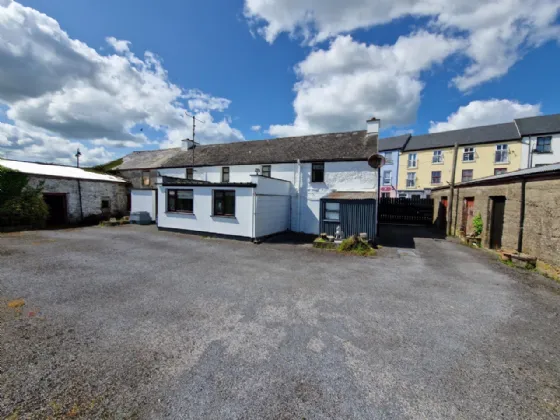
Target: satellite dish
(376,161)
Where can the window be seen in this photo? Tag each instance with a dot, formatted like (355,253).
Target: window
(468,154)
(544,144)
(105,203)
(224,203)
(225,174)
(415,196)
(146,178)
(412,162)
(436,177)
(332,211)
(385,195)
(387,177)
(388,158)
(317,172)
(190,173)
(402,195)
(266,171)
(180,201)
(437,157)
(499,171)
(501,153)
(467,175)
(411,180)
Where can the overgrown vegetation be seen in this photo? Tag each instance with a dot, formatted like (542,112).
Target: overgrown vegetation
(358,246)
(478,224)
(20,203)
(106,167)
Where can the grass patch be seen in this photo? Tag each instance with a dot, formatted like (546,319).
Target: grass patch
(357,246)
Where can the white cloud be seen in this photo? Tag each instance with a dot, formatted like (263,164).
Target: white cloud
(59,89)
(493,111)
(340,87)
(256,128)
(498,31)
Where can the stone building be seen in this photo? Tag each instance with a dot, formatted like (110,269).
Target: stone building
(520,211)
(74,194)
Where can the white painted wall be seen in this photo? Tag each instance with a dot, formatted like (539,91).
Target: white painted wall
(242,173)
(143,200)
(173,172)
(202,220)
(530,143)
(272,214)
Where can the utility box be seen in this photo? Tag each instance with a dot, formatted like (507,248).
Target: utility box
(140,218)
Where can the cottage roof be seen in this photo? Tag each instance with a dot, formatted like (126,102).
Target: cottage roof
(147,159)
(545,124)
(474,135)
(393,143)
(354,145)
(59,171)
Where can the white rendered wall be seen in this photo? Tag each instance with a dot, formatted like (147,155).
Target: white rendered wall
(173,172)
(202,219)
(540,158)
(242,173)
(272,215)
(143,200)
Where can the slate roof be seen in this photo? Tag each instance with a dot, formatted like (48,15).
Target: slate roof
(170,181)
(475,135)
(354,145)
(58,171)
(148,159)
(545,124)
(393,143)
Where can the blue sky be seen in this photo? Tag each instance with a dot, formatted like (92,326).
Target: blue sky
(247,62)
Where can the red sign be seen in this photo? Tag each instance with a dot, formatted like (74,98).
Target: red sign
(386,189)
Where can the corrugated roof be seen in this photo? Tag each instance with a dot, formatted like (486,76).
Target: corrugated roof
(148,159)
(475,135)
(393,143)
(59,171)
(352,195)
(354,145)
(544,124)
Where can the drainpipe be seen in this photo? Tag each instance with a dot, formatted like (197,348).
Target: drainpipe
(452,192)
(377,202)
(80,197)
(521,217)
(299,195)
(254,214)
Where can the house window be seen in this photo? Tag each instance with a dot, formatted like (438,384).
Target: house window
(544,145)
(317,172)
(146,178)
(467,175)
(501,153)
(266,171)
(468,154)
(411,180)
(412,160)
(332,211)
(385,195)
(437,157)
(190,173)
(225,174)
(499,171)
(180,201)
(436,177)
(387,177)
(388,158)
(224,203)
(105,203)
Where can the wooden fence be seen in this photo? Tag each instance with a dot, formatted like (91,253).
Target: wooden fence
(418,211)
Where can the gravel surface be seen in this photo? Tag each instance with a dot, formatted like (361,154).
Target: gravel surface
(129,322)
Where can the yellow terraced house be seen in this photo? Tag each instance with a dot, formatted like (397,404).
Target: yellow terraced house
(427,160)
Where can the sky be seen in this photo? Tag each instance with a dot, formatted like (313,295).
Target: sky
(111,77)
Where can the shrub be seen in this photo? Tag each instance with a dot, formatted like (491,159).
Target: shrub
(477,224)
(356,245)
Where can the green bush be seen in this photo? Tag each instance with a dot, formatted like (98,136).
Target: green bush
(356,245)
(478,225)
(20,204)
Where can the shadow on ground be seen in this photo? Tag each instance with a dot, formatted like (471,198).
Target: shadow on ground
(402,236)
(291,238)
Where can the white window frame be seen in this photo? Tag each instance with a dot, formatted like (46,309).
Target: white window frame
(440,178)
(412,163)
(388,158)
(437,157)
(408,183)
(503,150)
(469,151)
(390,177)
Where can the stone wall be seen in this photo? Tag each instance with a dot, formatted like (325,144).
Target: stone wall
(134,176)
(541,233)
(92,194)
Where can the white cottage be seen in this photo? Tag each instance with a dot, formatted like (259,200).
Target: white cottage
(255,189)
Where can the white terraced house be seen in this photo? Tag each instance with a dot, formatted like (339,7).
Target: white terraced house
(254,189)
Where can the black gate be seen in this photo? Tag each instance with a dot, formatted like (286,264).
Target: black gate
(414,211)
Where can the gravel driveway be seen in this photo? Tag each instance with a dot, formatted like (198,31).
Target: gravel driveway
(132,322)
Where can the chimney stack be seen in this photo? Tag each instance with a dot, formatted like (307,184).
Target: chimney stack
(373,126)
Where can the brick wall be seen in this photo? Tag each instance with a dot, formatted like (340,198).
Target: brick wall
(92,194)
(541,236)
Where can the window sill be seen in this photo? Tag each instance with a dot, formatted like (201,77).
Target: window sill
(468,161)
(222,217)
(188,213)
(542,153)
(502,163)
(331,221)
(412,167)
(438,163)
